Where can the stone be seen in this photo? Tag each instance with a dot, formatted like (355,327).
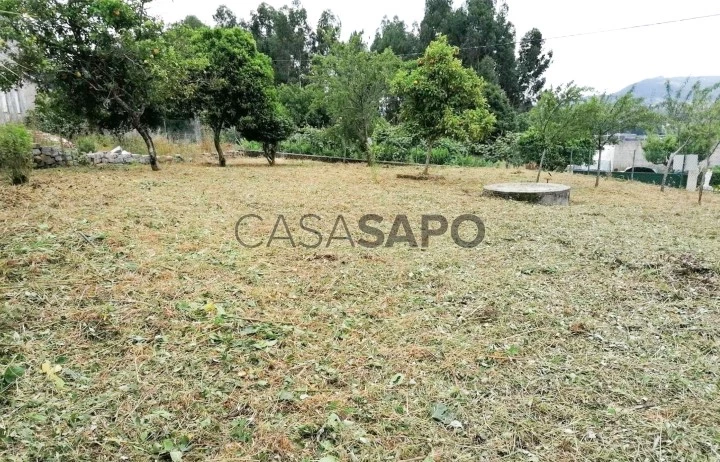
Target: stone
(37,151)
(46,150)
(536,193)
(117,150)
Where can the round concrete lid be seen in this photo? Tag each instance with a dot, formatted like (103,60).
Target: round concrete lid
(529,188)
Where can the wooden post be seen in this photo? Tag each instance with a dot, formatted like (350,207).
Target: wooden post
(542,161)
(632,172)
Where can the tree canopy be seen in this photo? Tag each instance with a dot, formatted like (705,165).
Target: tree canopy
(441,98)
(231,80)
(104,57)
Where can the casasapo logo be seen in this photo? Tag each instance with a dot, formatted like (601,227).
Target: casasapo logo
(467,231)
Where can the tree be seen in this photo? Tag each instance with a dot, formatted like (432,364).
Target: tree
(285,36)
(532,64)
(104,57)
(605,116)
(692,117)
(396,36)
(269,126)
(231,79)
(224,17)
(658,149)
(554,119)
(327,33)
(193,22)
(354,82)
(441,98)
(54,114)
(305,105)
(487,41)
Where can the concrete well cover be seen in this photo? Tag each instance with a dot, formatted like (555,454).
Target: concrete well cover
(538,193)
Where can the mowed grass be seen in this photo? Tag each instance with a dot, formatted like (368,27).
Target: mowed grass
(146,332)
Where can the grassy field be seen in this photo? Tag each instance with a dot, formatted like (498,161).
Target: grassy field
(134,327)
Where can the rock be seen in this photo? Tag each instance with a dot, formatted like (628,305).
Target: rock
(117,150)
(37,151)
(46,150)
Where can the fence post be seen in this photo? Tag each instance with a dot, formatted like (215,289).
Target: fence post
(632,172)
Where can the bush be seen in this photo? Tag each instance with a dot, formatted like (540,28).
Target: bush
(86,145)
(16,153)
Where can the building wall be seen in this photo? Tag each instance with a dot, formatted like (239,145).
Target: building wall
(15,103)
(624,156)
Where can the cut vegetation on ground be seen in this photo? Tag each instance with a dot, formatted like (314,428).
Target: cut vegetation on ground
(135,327)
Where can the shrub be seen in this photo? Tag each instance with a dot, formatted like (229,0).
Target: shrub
(86,145)
(16,153)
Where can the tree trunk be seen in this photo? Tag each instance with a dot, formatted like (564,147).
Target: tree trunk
(542,162)
(218,147)
(428,156)
(702,183)
(669,166)
(269,151)
(150,147)
(597,178)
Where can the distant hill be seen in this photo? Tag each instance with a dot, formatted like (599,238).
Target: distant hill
(653,90)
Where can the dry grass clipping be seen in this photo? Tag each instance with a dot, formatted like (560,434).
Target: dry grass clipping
(145,332)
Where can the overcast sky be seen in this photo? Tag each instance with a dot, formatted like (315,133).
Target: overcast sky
(606,62)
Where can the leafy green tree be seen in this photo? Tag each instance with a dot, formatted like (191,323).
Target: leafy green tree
(104,57)
(605,116)
(285,36)
(193,22)
(692,117)
(327,33)
(354,82)
(658,149)
(500,106)
(230,80)
(395,35)
(554,120)
(487,42)
(271,125)
(224,17)
(532,64)
(441,98)
(305,105)
(54,114)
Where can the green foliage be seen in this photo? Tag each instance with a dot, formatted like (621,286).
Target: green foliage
(16,153)
(86,145)
(353,82)
(271,125)
(693,118)
(658,149)
(285,36)
(554,120)
(305,105)
(558,155)
(394,35)
(232,77)
(53,114)
(487,42)
(604,116)
(103,58)
(320,142)
(442,99)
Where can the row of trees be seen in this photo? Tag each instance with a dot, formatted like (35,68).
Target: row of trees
(106,65)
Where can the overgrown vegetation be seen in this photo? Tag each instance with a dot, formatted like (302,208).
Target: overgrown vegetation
(16,161)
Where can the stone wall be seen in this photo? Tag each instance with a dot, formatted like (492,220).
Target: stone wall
(117,156)
(49,157)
